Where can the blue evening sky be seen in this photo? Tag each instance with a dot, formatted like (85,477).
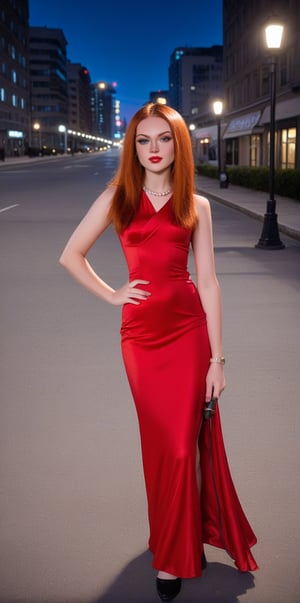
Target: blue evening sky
(130,41)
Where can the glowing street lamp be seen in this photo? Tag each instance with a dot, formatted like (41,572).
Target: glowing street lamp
(37,128)
(270,235)
(64,131)
(218,110)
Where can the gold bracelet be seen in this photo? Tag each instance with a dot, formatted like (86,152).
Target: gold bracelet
(218,360)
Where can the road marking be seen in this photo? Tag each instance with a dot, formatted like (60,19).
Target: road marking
(70,167)
(9,207)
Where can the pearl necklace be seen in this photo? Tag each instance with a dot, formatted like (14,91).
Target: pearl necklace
(147,190)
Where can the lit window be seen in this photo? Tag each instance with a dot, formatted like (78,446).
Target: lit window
(2,94)
(255,145)
(288,148)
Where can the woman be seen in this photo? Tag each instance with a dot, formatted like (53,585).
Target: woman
(171,343)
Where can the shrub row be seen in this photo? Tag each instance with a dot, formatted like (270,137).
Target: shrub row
(287,182)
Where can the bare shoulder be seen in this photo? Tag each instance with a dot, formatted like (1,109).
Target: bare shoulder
(202,235)
(97,218)
(202,205)
(99,210)
(105,198)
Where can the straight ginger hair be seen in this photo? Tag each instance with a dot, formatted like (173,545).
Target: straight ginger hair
(129,179)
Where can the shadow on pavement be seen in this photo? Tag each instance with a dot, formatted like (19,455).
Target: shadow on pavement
(219,584)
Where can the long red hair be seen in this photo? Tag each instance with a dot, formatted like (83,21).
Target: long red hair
(129,178)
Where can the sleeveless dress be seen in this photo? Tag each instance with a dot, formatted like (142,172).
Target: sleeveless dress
(166,354)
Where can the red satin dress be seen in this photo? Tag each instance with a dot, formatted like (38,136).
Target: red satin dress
(166,354)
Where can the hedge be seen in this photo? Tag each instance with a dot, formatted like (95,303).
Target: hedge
(286,182)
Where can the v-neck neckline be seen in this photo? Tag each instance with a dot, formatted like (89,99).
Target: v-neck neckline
(156,211)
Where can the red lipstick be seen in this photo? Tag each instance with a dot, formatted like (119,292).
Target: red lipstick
(155,159)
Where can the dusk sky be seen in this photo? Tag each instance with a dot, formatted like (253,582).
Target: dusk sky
(130,42)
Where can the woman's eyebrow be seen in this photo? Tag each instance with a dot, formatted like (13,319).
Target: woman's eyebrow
(159,134)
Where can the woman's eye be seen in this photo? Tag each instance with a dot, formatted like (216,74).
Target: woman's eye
(142,140)
(166,138)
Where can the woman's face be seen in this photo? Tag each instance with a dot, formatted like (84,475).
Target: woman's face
(154,144)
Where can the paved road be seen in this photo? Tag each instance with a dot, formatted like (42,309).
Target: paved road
(73,513)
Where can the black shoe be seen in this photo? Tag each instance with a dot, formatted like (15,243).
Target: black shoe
(203,561)
(168,589)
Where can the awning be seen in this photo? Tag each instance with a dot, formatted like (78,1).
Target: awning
(208,132)
(243,125)
(283,110)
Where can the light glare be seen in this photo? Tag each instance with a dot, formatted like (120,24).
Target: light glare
(274,35)
(218,107)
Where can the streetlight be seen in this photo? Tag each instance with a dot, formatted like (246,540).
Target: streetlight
(63,129)
(37,127)
(218,109)
(270,235)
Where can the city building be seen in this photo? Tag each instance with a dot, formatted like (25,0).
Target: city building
(247,68)
(14,78)
(103,109)
(47,103)
(49,89)
(79,98)
(79,108)
(195,80)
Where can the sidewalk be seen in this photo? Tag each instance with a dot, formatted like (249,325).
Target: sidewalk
(253,203)
(31,160)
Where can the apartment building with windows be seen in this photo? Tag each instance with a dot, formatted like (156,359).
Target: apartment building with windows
(246,119)
(14,78)
(79,104)
(103,109)
(195,78)
(195,81)
(49,87)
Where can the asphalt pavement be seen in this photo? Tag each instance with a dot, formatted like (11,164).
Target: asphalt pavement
(250,202)
(73,510)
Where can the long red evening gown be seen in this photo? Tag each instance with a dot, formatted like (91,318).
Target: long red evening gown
(166,354)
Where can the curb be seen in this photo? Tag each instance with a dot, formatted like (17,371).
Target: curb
(9,162)
(284,228)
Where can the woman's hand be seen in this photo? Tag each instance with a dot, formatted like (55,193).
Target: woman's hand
(130,293)
(215,381)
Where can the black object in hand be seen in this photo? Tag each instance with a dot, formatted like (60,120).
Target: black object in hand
(209,408)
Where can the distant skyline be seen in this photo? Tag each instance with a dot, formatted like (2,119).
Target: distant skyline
(130,43)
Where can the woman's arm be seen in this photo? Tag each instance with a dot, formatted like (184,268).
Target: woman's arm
(73,257)
(209,291)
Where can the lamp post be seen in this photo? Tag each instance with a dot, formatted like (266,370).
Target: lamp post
(37,128)
(270,235)
(218,109)
(64,131)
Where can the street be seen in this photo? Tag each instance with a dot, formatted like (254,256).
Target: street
(73,508)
